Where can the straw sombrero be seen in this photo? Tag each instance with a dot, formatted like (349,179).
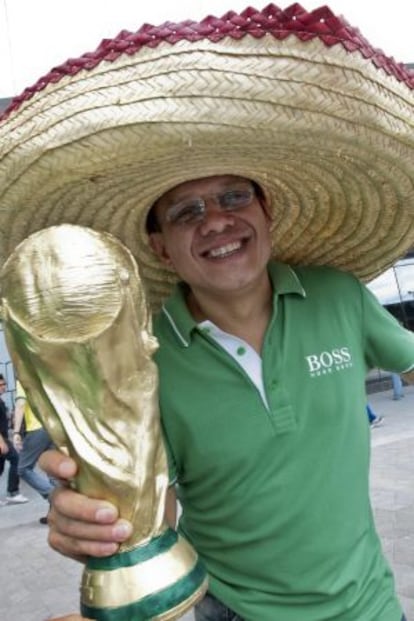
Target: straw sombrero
(300,102)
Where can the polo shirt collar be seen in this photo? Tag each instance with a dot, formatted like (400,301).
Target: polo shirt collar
(284,280)
(178,315)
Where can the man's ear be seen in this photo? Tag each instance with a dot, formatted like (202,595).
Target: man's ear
(157,244)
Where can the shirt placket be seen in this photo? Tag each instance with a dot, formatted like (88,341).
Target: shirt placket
(281,412)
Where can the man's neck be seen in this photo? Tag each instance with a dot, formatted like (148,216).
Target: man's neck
(245,314)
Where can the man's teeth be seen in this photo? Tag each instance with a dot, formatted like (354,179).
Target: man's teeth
(224,250)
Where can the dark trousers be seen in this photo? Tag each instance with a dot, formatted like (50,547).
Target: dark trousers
(13,458)
(371,417)
(34,444)
(210,609)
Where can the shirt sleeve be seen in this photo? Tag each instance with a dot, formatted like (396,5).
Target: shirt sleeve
(388,345)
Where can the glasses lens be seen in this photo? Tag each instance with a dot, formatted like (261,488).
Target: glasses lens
(186,213)
(235,199)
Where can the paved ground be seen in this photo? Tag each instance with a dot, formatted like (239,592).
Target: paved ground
(37,583)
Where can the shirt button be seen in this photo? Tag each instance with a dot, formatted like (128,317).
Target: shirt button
(241,351)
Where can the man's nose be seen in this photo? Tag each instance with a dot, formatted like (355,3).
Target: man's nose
(215,220)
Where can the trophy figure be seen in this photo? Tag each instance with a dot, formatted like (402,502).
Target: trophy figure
(79,333)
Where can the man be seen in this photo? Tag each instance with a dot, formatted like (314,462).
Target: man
(30,446)
(247,150)
(9,453)
(221,253)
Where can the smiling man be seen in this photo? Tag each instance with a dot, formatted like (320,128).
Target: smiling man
(254,359)
(259,167)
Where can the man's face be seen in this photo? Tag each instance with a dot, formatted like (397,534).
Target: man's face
(3,386)
(214,233)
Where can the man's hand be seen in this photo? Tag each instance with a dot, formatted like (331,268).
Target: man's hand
(4,449)
(80,526)
(17,441)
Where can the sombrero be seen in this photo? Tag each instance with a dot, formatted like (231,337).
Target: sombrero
(298,101)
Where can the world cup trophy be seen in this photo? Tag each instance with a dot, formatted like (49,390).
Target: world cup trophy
(79,333)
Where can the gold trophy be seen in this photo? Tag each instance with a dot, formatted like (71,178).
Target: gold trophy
(79,333)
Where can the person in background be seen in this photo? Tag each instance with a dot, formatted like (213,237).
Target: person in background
(397,386)
(9,453)
(374,419)
(30,446)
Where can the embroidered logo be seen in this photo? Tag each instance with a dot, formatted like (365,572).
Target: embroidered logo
(329,361)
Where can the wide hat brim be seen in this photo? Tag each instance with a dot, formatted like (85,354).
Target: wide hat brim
(299,102)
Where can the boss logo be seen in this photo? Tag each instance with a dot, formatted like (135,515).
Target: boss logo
(329,361)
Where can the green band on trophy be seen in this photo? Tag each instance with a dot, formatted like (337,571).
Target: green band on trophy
(130,558)
(154,605)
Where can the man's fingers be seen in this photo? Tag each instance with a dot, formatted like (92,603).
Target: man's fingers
(72,505)
(80,526)
(82,539)
(80,550)
(58,465)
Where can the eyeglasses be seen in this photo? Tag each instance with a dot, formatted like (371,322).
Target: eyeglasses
(193,211)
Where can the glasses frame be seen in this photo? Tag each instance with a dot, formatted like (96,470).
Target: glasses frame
(193,210)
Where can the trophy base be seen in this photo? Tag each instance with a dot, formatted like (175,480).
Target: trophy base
(158,581)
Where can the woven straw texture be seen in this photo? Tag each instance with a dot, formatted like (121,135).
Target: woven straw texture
(298,101)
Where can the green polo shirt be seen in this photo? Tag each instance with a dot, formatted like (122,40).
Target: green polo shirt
(276,499)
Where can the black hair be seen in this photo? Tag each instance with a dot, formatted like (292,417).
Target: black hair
(258,190)
(152,225)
